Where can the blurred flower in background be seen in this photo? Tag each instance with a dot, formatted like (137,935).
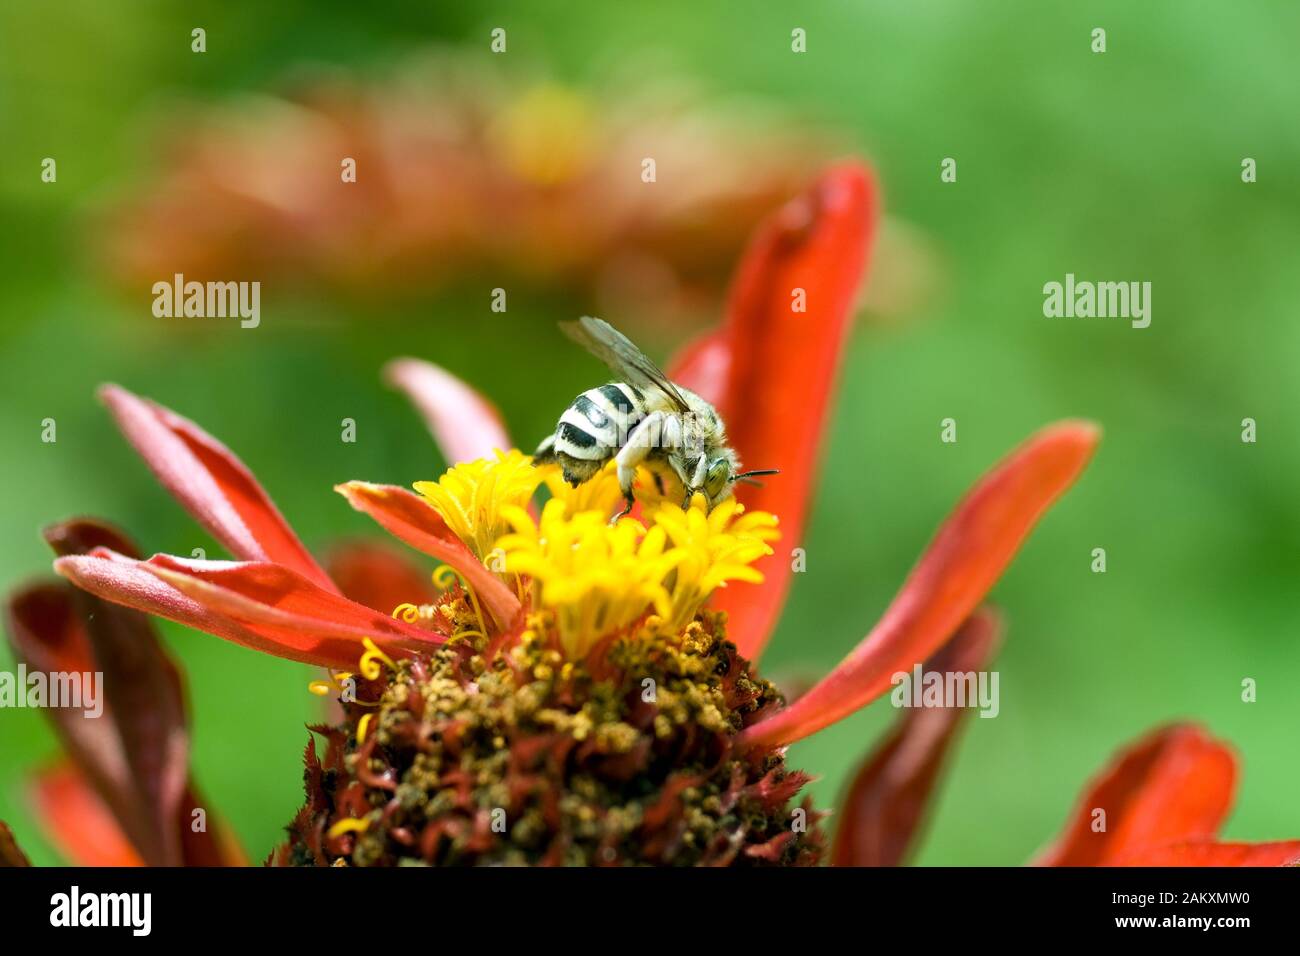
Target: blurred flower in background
(638,197)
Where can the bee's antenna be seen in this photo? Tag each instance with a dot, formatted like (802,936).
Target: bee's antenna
(761,471)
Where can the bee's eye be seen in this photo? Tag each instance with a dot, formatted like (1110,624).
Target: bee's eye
(716,479)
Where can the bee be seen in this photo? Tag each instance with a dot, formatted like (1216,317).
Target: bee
(642,419)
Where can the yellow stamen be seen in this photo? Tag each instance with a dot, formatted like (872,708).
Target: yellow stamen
(443,575)
(350,825)
(370,660)
(415,613)
(323,688)
(594,579)
(602,493)
(362,726)
(715,547)
(472,498)
(599,578)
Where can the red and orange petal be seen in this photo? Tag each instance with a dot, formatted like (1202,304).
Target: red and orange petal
(411,519)
(85,832)
(261,606)
(1211,853)
(815,247)
(77,821)
(136,751)
(965,559)
(885,805)
(213,485)
(134,754)
(1173,786)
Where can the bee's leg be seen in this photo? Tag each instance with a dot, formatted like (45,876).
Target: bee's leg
(646,436)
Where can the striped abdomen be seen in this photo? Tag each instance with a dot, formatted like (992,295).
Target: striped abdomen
(593,429)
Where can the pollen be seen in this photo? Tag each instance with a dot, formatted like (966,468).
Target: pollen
(473,497)
(469,760)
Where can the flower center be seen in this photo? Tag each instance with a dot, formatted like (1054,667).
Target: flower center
(459,758)
(597,579)
(596,728)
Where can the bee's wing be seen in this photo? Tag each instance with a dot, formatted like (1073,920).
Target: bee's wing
(615,349)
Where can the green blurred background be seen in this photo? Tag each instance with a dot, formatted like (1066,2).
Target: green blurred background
(1117,166)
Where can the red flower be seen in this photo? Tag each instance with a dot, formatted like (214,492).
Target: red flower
(461,170)
(276,598)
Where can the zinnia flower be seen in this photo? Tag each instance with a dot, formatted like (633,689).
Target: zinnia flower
(573,691)
(461,170)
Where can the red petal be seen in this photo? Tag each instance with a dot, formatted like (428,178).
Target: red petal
(262,606)
(883,809)
(408,517)
(819,243)
(124,581)
(77,822)
(11,854)
(464,423)
(377,576)
(703,366)
(965,559)
(1173,785)
(83,535)
(213,485)
(1209,853)
(83,829)
(136,753)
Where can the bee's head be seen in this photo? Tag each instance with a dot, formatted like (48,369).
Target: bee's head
(716,478)
(717,481)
